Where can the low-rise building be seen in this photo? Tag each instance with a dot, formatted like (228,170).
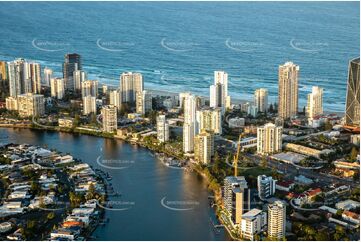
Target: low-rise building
(285,185)
(236,122)
(11,103)
(347,165)
(347,205)
(303,180)
(31,105)
(253,222)
(306,150)
(266,186)
(351,217)
(66,122)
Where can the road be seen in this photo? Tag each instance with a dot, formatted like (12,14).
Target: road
(291,170)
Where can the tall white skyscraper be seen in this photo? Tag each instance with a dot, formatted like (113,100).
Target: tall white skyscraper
(143,102)
(35,76)
(89,88)
(188,137)
(57,88)
(79,76)
(190,125)
(190,108)
(89,105)
(221,77)
(182,96)
(162,129)
(204,147)
(19,77)
(130,84)
(277,220)
(236,197)
(269,139)
(261,99)
(48,74)
(288,90)
(15,78)
(314,102)
(115,98)
(110,121)
(216,96)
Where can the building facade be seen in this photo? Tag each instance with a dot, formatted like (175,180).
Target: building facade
(266,186)
(314,102)
(19,77)
(277,220)
(11,103)
(190,129)
(261,99)
(269,139)
(162,129)
(35,76)
(204,147)
(110,120)
(3,71)
(130,84)
(353,93)
(57,88)
(143,102)
(288,90)
(115,98)
(209,120)
(89,105)
(89,88)
(79,77)
(253,222)
(30,105)
(48,74)
(236,197)
(72,63)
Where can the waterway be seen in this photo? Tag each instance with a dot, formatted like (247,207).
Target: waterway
(156,203)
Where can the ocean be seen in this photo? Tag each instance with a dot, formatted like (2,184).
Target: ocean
(178,45)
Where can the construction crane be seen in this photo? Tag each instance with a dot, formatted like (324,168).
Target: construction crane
(236,156)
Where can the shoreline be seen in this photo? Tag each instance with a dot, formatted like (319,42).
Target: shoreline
(193,166)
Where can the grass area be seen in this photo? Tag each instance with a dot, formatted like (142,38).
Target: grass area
(255,171)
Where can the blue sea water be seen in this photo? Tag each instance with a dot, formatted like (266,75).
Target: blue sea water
(178,45)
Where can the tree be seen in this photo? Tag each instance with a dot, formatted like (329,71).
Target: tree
(264,162)
(76,121)
(328,125)
(322,236)
(152,115)
(50,216)
(91,193)
(354,153)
